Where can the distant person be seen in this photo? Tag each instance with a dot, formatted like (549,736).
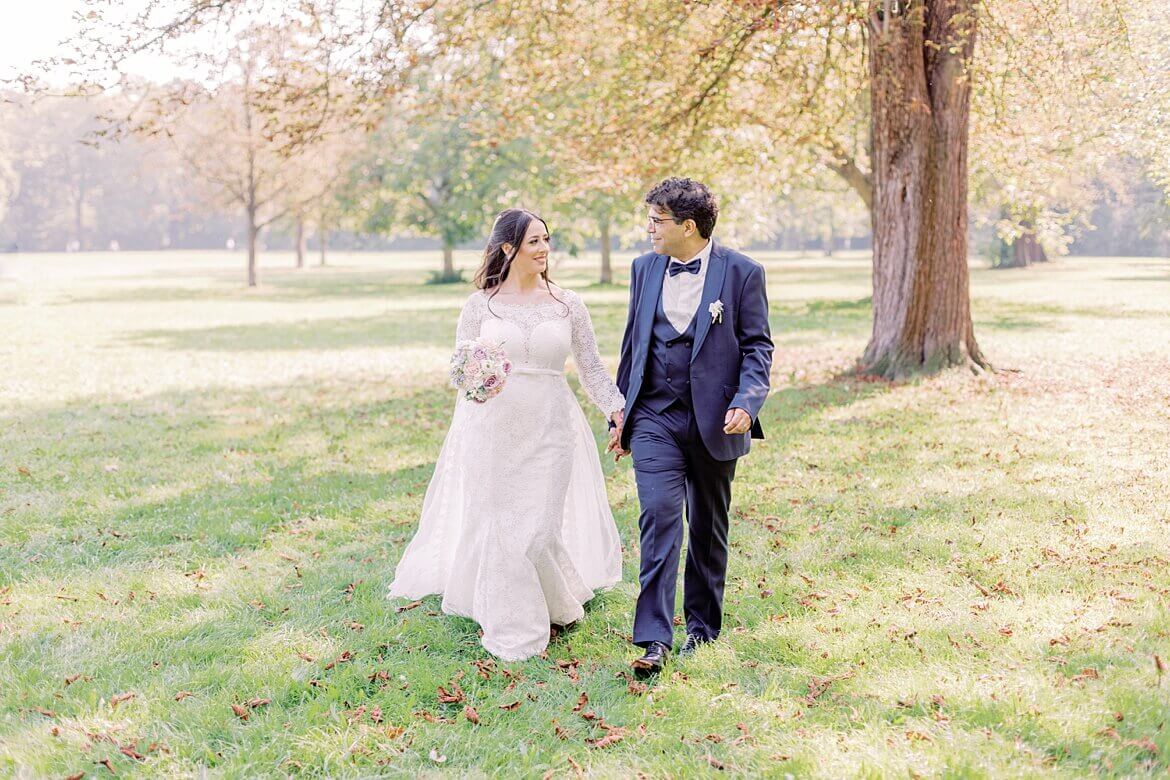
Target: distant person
(231,244)
(516,532)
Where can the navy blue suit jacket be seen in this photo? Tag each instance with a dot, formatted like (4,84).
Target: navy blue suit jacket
(730,359)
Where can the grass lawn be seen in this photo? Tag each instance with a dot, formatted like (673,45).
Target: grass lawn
(204,491)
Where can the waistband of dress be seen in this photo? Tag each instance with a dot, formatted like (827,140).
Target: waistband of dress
(538,371)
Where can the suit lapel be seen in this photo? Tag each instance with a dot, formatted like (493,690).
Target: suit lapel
(712,286)
(648,302)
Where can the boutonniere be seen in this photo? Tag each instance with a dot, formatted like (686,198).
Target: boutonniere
(716,311)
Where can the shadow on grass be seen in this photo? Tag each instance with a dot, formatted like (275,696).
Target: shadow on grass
(433,327)
(288,287)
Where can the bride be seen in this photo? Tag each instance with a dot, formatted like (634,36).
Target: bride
(516,531)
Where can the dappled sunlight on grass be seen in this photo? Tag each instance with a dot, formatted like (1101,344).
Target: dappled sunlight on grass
(204,491)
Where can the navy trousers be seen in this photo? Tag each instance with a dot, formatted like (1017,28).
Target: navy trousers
(673,469)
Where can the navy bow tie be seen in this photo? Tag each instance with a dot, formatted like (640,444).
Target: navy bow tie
(692,267)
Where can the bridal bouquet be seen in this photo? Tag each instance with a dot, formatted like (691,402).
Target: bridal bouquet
(479,368)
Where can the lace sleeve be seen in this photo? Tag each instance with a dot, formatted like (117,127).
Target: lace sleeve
(470,318)
(595,378)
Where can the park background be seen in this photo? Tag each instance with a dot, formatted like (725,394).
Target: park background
(949,557)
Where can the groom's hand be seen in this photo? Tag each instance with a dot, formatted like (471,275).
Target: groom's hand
(736,421)
(615,437)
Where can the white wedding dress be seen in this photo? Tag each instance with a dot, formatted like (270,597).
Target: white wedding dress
(516,530)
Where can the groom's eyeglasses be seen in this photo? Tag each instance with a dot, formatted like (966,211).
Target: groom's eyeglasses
(658,222)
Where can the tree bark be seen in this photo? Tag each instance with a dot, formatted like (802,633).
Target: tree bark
(448,261)
(1027,250)
(606,264)
(302,242)
(920,123)
(322,236)
(253,235)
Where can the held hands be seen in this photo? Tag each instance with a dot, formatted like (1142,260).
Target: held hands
(615,437)
(736,421)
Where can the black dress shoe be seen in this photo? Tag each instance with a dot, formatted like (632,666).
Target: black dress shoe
(692,644)
(651,661)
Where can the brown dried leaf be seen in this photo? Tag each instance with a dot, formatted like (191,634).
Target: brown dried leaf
(345,657)
(470,713)
(254,703)
(241,712)
(454,696)
(613,737)
(128,750)
(121,697)
(1145,743)
(513,706)
(182,695)
(411,605)
(582,700)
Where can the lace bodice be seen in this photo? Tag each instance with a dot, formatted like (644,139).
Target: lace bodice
(540,336)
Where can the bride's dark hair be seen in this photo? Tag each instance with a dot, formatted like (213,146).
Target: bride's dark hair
(509,228)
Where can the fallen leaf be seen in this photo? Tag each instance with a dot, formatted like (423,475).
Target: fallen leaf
(560,732)
(345,657)
(254,703)
(714,762)
(411,605)
(613,737)
(513,706)
(241,712)
(582,700)
(182,695)
(454,696)
(436,757)
(589,715)
(77,776)
(128,750)
(470,713)
(121,697)
(1145,744)
(108,765)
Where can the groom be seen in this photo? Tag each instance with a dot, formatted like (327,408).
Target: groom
(694,370)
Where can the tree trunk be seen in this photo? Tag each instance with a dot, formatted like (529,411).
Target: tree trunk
(79,213)
(448,261)
(920,124)
(606,265)
(302,242)
(830,237)
(253,235)
(323,238)
(1028,250)
(1022,252)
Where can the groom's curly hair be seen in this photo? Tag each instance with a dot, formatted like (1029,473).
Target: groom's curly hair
(686,199)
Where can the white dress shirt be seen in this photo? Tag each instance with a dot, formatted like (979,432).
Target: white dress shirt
(682,293)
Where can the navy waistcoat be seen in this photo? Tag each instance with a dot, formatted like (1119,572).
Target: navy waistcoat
(668,364)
